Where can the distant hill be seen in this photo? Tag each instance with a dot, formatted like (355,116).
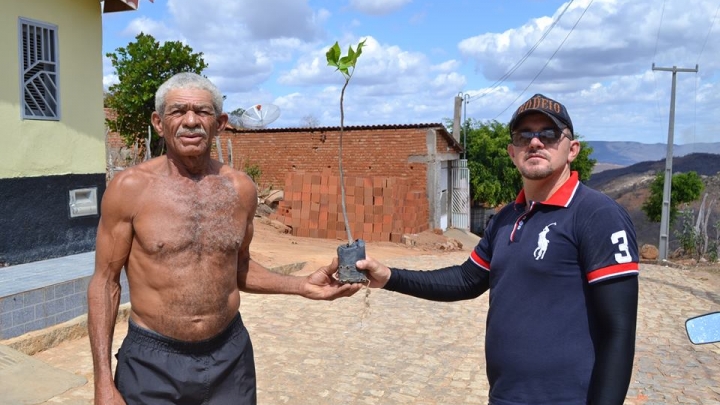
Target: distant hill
(629,186)
(629,153)
(705,164)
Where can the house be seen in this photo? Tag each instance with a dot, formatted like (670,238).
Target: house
(52,163)
(421,160)
(399,178)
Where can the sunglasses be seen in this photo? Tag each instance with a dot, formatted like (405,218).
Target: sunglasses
(548,137)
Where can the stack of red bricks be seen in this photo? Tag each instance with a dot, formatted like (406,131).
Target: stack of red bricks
(378,208)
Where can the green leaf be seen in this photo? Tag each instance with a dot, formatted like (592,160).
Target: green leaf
(351,55)
(344,63)
(359,49)
(347,61)
(333,55)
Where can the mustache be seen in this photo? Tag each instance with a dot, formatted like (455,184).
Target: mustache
(536,153)
(186,131)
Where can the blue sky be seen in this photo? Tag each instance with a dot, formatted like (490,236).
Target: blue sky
(596,59)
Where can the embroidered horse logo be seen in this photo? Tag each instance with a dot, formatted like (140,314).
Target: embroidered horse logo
(543,242)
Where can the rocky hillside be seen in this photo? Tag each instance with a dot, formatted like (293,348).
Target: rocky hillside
(629,153)
(630,187)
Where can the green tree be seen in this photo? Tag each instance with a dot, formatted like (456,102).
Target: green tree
(494,180)
(142,66)
(684,188)
(234,117)
(583,163)
(107,96)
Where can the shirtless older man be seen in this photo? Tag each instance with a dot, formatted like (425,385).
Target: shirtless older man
(181,225)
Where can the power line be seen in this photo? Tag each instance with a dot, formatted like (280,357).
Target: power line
(697,78)
(708,34)
(522,60)
(657,40)
(548,61)
(657,37)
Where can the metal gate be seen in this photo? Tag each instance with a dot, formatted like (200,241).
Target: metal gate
(444,195)
(460,198)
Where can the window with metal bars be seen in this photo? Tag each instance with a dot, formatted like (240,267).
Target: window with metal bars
(38,51)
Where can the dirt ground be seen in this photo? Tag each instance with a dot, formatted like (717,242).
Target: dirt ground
(278,250)
(274,248)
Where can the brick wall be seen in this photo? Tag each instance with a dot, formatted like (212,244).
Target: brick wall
(367,152)
(395,153)
(113,139)
(385,168)
(378,208)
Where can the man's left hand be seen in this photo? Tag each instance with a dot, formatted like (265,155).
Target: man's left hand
(321,285)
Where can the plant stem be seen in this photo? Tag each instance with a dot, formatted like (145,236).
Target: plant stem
(342,177)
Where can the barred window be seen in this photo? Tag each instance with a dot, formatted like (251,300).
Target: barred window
(38,70)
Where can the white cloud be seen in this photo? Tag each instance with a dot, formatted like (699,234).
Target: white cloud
(374,65)
(613,38)
(378,7)
(250,19)
(445,83)
(447,66)
(391,86)
(274,51)
(109,80)
(243,40)
(603,70)
(157,29)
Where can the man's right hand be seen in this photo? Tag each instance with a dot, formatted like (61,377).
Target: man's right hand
(108,396)
(377,273)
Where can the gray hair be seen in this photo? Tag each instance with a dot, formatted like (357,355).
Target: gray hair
(188,80)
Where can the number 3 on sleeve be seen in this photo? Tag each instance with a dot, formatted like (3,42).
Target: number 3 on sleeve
(619,238)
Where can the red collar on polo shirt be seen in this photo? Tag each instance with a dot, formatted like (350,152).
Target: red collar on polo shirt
(561,197)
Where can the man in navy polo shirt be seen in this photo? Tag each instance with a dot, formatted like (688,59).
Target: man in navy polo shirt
(561,262)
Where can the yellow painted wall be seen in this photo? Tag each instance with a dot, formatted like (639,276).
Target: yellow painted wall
(76,143)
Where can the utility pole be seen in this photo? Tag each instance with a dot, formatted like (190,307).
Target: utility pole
(456,117)
(665,215)
(459,123)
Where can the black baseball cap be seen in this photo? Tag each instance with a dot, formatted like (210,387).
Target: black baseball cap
(545,105)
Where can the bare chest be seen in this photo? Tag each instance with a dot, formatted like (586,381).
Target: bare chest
(188,217)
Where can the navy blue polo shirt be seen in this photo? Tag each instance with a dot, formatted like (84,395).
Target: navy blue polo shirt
(541,258)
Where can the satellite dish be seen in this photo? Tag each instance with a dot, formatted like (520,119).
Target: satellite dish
(259,115)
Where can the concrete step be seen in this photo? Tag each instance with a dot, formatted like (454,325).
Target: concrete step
(41,294)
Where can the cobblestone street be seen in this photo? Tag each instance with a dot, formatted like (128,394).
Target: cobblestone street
(392,349)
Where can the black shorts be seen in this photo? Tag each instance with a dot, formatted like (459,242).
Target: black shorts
(155,369)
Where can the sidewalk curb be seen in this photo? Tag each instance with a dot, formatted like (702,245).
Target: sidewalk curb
(40,340)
